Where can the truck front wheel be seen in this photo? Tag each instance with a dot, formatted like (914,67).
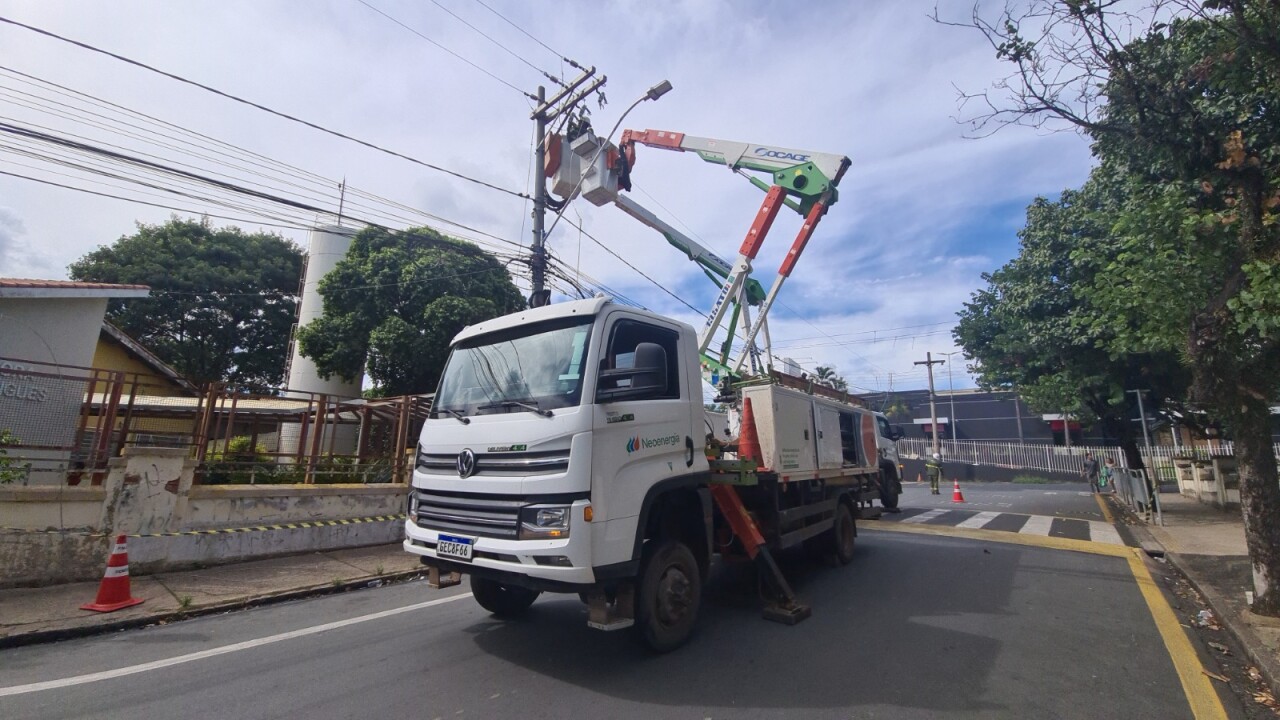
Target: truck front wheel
(669,595)
(504,601)
(888,490)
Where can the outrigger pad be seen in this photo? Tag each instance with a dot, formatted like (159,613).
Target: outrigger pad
(436,580)
(787,614)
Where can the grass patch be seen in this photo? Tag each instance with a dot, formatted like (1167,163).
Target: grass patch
(1031,480)
(184,602)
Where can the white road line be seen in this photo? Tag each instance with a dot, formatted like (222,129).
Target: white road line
(924,516)
(1037,525)
(1104,533)
(203,654)
(979,520)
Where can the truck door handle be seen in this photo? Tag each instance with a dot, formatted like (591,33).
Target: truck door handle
(688,445)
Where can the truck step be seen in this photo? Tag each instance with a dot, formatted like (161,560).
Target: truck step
(609,616)
(787,614)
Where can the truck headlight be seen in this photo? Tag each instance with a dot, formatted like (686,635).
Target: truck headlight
(544,522)
(413,505)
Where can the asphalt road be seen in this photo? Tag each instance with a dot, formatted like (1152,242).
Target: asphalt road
(917,626)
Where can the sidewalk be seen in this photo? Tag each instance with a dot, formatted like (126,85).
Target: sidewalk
(1208,546)
(30,615)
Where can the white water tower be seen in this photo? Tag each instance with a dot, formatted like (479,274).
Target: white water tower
(327,246)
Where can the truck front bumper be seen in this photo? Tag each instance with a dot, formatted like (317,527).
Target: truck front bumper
(562,563)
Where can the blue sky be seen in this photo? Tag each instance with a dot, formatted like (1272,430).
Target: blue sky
(923,210)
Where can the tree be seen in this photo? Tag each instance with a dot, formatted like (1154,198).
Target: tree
(1035,329)
(1184,99)
(394,303)
(827,376)
(222,300)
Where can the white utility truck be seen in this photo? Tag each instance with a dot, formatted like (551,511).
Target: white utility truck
(569,449)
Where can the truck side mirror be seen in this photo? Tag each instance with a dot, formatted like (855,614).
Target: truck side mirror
(648,377)
(896,433)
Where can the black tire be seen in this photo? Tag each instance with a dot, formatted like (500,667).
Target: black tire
(888,490)
(843,536)
(504,601)
(669,595)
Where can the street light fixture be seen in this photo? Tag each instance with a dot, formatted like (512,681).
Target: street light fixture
(952,389)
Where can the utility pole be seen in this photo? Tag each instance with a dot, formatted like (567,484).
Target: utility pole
(951,388)
(929,362)
(538,251)
(546,111)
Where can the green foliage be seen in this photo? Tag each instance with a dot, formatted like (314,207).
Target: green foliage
(1046,325)
(222,300)
(828,376)
(11,470)
(1030,480)
(395,302)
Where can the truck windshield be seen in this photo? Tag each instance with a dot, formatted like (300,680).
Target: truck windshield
(535,366)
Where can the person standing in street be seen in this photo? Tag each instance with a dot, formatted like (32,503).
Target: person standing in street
(1091,471)
(933,466)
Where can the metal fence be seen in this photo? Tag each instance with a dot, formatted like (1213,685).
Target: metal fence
(299,437)
(61,424)
(1044,457)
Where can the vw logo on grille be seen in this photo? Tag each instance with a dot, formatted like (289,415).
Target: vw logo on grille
(466,463)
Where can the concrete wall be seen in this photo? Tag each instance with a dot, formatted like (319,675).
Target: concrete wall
(63,331)
(50,535)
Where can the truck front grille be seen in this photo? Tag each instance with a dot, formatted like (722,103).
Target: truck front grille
(507,464)
(483,517)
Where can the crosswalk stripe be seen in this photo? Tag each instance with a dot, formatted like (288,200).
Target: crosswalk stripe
(1037,525)
(924,516)
(1104,533)
(979,520)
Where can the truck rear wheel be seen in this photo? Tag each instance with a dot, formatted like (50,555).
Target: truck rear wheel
(844,534)
(504,601)
(669,595)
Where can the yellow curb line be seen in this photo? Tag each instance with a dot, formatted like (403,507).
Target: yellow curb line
(1106,511)
(1202,696)
(1200,693)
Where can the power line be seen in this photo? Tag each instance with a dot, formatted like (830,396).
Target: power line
(508,50)
(144,202)
(561,56)
(261,107)
(442,47)
(299,173)
(638,271)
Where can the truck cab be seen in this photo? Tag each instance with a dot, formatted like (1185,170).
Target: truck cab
(550,431)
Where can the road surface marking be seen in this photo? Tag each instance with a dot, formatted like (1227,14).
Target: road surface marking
(1104,533)
(1200,693)
(979,520)
(203,654)
(1106,511)
(924,516)
(1037,525)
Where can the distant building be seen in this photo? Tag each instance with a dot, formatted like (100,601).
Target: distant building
(979,415)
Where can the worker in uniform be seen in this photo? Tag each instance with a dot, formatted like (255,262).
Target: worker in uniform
(933,466)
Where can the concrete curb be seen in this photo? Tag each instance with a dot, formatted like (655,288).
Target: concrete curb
(45,636)
(1240,627)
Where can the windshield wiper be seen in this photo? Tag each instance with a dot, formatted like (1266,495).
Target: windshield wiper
(516,403)
(457,414)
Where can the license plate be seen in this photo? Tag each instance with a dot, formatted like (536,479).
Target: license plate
(452,546)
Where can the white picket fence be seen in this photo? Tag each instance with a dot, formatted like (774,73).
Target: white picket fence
(1055,458)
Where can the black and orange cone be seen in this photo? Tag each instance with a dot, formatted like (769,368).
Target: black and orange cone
(114,592)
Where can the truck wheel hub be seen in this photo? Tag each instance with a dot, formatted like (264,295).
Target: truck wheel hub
(674,591)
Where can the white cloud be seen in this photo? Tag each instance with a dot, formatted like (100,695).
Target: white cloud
(923,211)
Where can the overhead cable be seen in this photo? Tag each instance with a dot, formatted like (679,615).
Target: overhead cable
(261,107)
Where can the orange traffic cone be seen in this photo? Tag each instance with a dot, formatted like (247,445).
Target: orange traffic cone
(919,477)
(114,592)
(748,439)
(956,495)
